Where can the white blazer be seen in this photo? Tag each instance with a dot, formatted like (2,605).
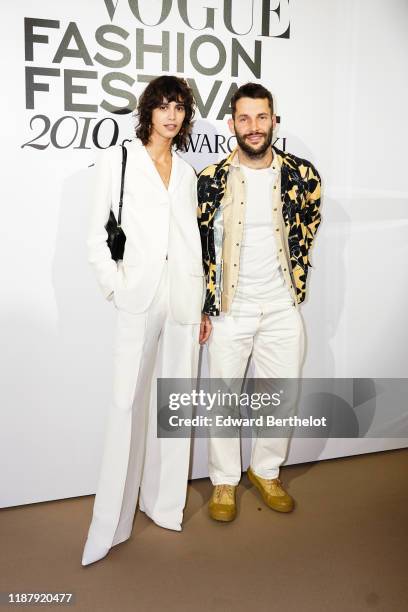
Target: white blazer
(157,223)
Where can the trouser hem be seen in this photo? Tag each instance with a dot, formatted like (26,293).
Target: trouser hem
(270,475)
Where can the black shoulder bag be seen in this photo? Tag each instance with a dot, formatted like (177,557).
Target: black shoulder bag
(116,236)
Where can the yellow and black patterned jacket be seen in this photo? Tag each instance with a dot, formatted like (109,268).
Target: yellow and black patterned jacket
(300,199)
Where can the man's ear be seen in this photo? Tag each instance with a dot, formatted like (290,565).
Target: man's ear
(273,121)
(231,125)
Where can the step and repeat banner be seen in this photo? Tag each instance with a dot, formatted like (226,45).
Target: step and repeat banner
(72,73)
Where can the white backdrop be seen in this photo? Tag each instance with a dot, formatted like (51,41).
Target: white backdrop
(336,70)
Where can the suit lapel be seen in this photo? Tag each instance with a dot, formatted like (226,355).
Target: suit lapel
(177,172)
(140,162)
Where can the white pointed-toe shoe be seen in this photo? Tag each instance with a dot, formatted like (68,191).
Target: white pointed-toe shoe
(93,552)
(160,523)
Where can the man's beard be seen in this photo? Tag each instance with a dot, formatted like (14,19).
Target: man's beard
(251,151)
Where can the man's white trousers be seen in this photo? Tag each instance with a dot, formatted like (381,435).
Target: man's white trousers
(135,462)
(272,334)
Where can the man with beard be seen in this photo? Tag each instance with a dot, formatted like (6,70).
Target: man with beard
(258,212)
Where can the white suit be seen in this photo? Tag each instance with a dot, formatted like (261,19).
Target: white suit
(148,208)
(158,291)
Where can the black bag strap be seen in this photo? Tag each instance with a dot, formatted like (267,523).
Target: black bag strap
(122,182)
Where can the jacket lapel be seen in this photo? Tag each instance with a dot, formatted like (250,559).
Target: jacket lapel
(142,161)
(177,172)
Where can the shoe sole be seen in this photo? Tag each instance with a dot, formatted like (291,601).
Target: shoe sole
(258,486)
(222,520)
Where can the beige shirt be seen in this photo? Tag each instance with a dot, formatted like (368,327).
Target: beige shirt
(233,208)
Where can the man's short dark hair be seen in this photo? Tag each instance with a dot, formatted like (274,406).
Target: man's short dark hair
(173,89)
(251,90)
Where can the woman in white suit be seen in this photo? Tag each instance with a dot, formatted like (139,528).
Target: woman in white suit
(158,290)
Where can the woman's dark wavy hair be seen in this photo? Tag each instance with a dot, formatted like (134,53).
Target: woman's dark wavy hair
(173,89)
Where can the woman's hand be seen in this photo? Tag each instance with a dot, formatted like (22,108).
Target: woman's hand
(205,329)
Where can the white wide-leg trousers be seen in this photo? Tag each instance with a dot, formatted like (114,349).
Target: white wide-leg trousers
(272,334)
(135,463)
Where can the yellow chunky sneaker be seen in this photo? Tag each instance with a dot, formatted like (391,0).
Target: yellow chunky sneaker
(273,494)
(222,505)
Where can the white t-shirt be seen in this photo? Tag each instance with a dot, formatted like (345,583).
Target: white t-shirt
(260,275)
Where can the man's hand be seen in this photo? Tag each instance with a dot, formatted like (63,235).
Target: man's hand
(205,329)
